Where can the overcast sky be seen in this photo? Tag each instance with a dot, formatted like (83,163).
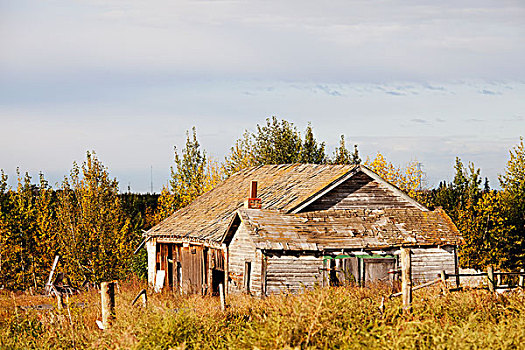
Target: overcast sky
(415,80)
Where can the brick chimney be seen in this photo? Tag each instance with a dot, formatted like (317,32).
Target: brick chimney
(253,202)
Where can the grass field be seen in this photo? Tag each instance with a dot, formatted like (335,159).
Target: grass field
(343,317)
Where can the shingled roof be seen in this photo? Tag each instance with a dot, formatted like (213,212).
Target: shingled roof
(287,188)
(348,229)
(280,187)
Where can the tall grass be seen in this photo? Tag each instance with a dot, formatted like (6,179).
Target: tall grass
(343,317)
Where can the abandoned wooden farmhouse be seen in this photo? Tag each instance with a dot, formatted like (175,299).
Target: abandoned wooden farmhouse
(276,228)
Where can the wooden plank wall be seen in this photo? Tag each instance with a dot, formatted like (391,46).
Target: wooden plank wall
(242,250)
(427,263)
(359,192)
(290,273)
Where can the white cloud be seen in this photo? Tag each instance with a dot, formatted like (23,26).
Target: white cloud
(127,77)
(339,41)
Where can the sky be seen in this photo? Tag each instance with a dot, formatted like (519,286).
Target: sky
(424,81)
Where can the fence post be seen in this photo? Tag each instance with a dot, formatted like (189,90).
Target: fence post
(107,297)
(406,278)
(520,282)
(490,278)
(221,295)
(444,281)
(456,266)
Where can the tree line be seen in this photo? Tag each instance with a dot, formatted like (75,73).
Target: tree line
(275,142)
(95,229)
(85,220)
(492,221)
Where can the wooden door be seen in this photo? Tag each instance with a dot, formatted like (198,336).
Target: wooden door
(192,269)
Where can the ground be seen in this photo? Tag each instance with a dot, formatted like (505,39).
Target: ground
(340,317)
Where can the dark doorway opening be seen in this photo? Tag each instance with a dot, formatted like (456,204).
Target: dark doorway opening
(334,279)
(217,277)
(169,267)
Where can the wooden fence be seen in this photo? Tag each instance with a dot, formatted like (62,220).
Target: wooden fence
(493,278)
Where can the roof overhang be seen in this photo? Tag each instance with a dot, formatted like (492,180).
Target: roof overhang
(175,239)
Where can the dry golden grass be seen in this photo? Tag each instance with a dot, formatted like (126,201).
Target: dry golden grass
(344,317)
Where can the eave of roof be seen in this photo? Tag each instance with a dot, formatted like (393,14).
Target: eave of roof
(349,229)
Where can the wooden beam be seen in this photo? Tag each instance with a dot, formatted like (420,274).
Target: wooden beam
(406,278)
(264,267)
(419,286)
(456,266)
(226,268)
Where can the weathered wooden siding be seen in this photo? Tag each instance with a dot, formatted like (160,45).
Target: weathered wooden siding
(292,274)
(360,192)
(242,250)
(190,268)
(427,263)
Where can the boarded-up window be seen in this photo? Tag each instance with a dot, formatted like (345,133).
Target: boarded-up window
(376,270)
(362,270)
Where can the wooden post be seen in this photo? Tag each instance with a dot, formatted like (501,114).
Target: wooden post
(498,279)
(406,278)
(107,296)
(361,267)
(490,278)
(444,281)
(456,266)
(211,261)
(226,250)
(520,282)
(204,274)
(325,273)
(221,294)
(264,266)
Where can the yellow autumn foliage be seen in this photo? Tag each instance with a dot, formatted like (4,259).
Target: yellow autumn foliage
(408,179)
(192,175)
(95,237)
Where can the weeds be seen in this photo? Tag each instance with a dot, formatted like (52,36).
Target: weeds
(343,317)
